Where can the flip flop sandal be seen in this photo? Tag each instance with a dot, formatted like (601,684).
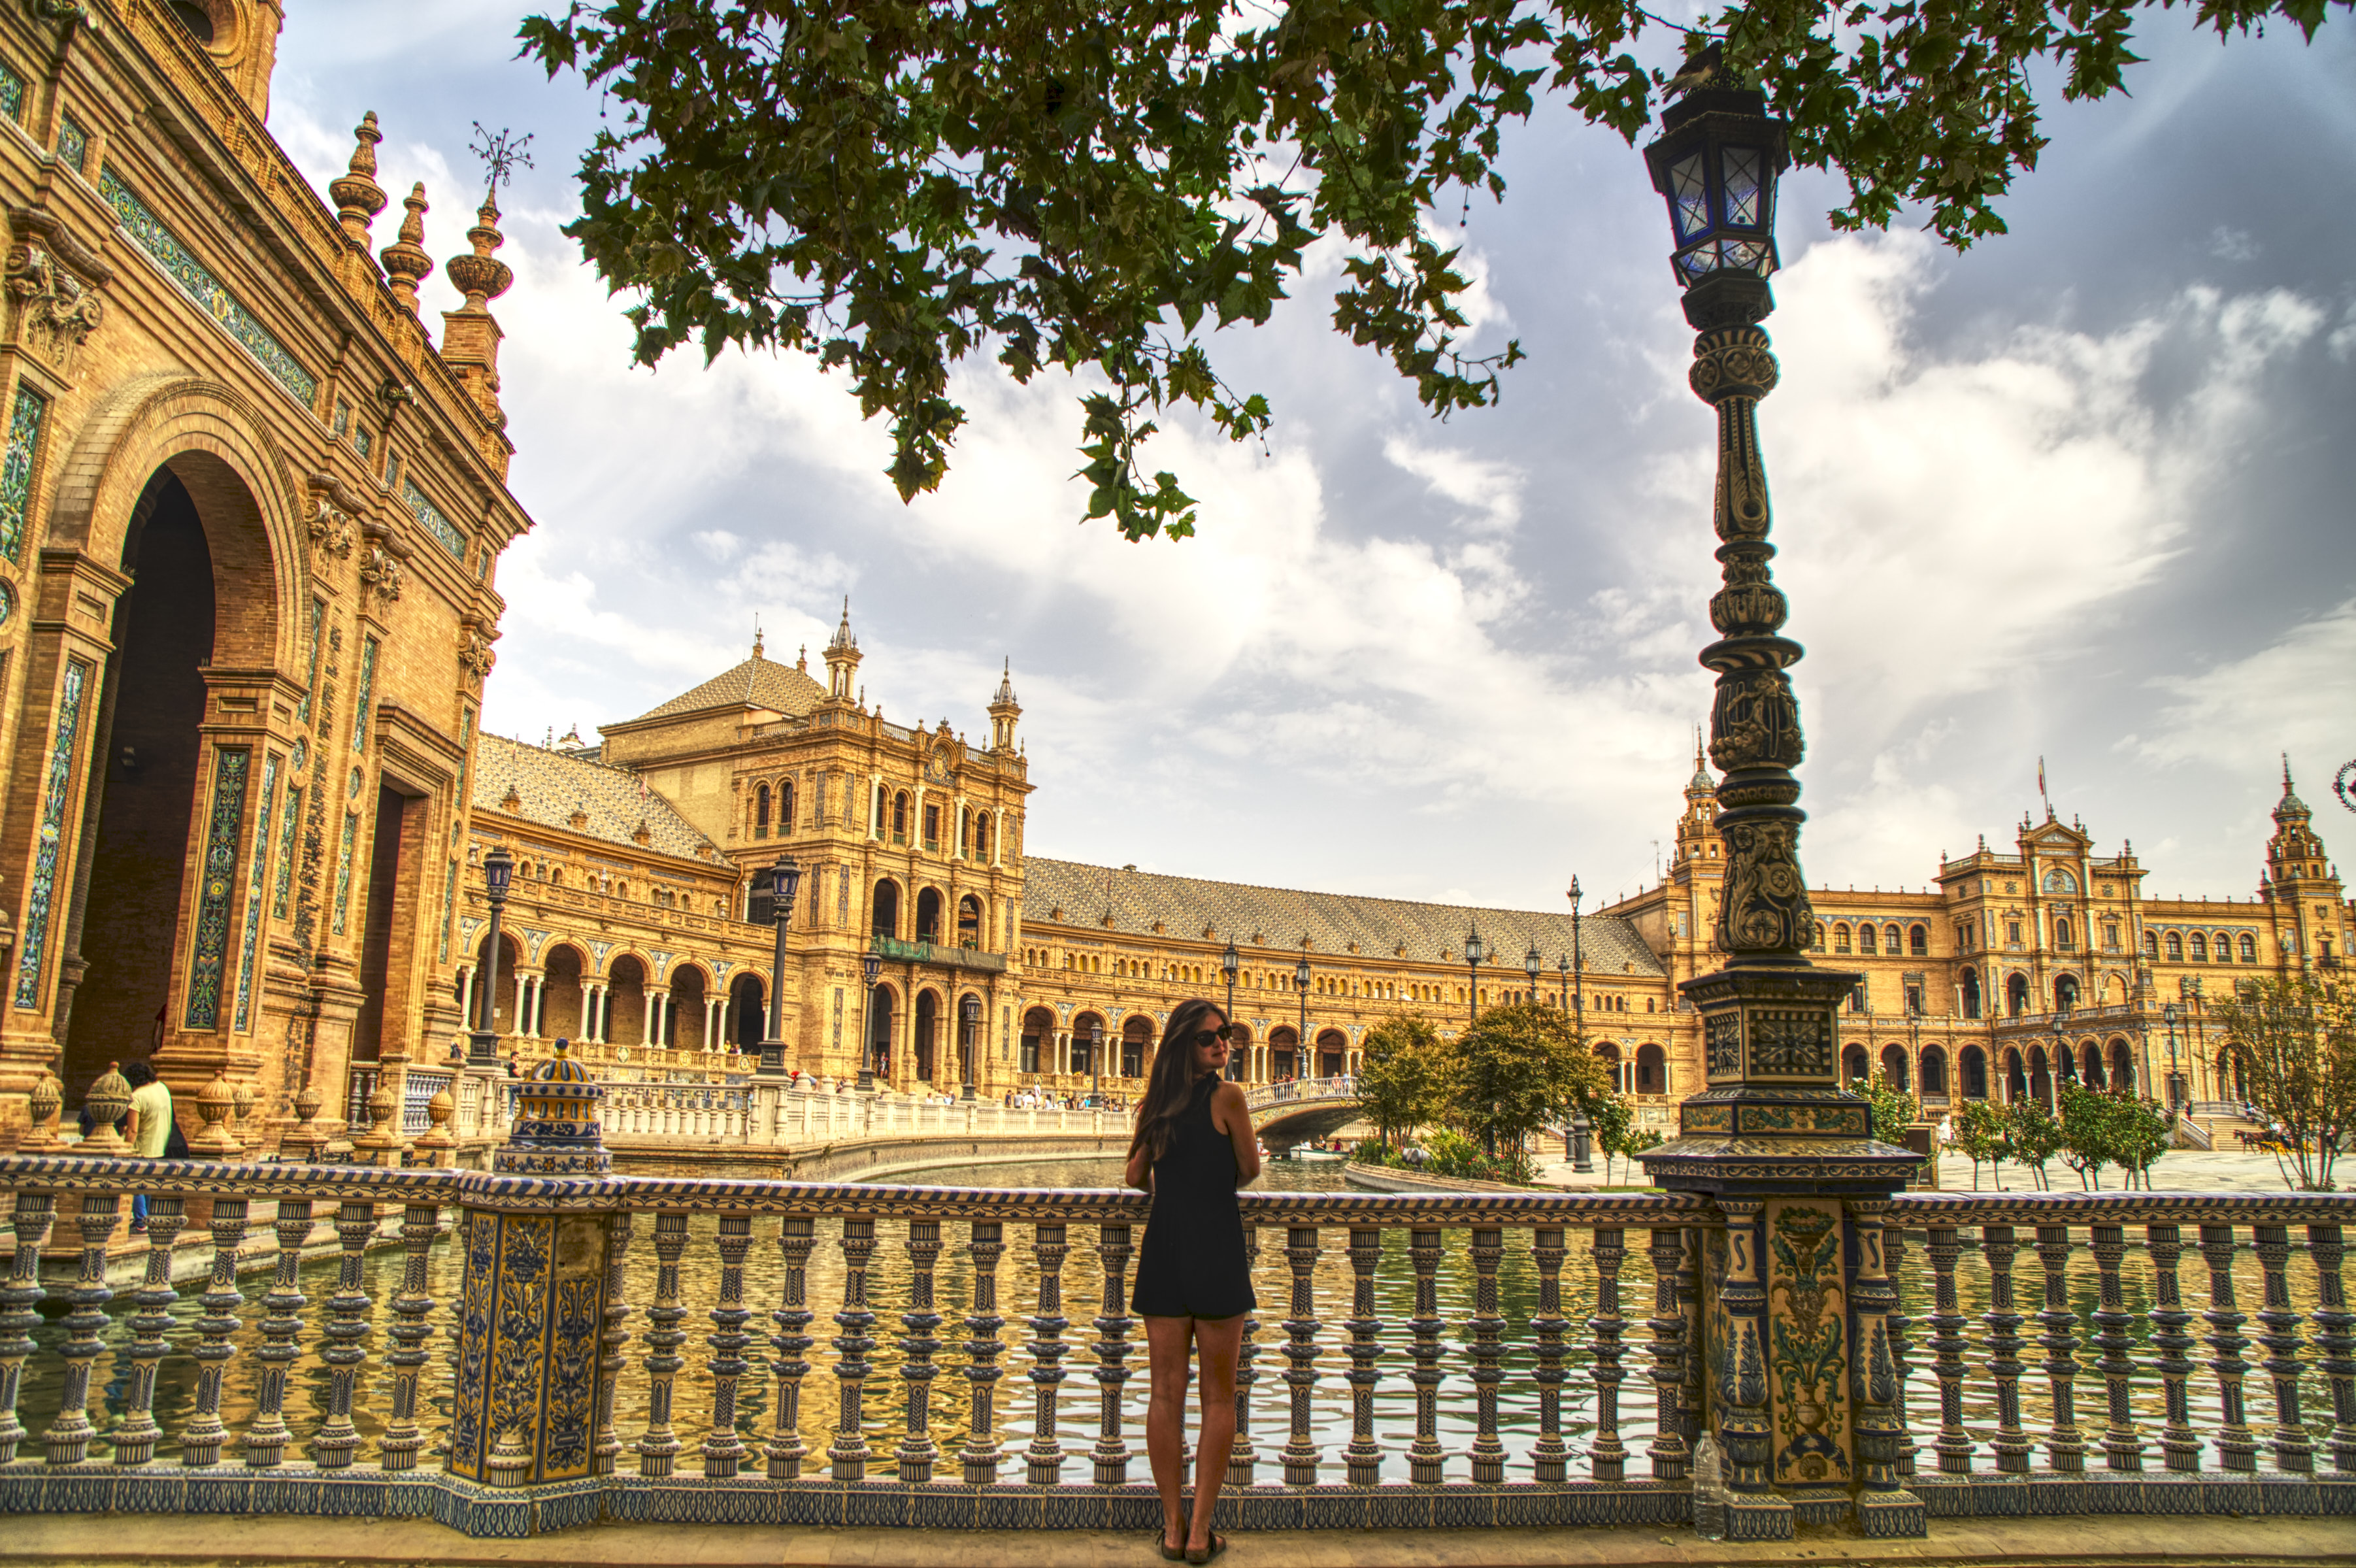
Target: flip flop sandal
(1169,1554)
(1205,1554)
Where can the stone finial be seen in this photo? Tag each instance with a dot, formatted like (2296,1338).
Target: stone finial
(47,1105)
(434,1145)
(358,197)
(106,1102)
(405,260)
(216,1102)
(481,276)
(306,1138)
(380,1144)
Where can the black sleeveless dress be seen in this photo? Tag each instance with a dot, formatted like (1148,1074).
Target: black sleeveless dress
(1191,1262)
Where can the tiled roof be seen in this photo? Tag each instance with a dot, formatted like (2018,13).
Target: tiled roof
(551,785)
(757,683)
(1330,920)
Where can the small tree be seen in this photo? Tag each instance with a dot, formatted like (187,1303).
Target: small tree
(1402,1079)
(1894,1109)
(2294,1040)
(2141,1131)
(1984,1132)
(1636,1141)
(2036,1137)
(2089,1133)
(1518,1067)
(1609,1119)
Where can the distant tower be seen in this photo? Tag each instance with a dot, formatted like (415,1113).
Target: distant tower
(2305,885)
(841,660)
(1004,712)
(1697,828)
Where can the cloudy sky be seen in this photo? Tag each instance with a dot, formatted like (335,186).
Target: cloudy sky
(2068,494)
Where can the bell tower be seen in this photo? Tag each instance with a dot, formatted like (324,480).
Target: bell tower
(842,661)
(1004,712)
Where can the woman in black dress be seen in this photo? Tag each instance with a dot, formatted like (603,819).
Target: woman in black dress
(1193,1147)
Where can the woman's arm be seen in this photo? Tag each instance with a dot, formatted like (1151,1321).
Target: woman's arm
(1230,1114)
(1140,1174)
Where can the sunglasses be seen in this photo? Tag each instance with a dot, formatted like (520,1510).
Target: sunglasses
(1225,1032)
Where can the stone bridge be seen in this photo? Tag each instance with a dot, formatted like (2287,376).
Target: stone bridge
(1298,1109)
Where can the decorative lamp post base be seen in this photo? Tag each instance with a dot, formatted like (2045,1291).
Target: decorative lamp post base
(773,1059)
(482,1048)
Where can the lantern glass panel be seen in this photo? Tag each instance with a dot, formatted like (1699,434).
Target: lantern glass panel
(1688,197)
(1745,197)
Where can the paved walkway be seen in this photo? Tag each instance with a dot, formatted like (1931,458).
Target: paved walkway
(116,1542)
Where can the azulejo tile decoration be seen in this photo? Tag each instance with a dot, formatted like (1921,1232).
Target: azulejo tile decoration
(211,949)
(55,796)
(198,283)
(25,419)
(430,518)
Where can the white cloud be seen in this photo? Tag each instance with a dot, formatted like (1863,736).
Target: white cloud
(2265,702)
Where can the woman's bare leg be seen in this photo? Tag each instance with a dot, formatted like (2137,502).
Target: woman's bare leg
(1167,1342)
(1217,1339)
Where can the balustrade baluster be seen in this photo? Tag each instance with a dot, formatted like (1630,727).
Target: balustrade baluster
(1668,1450)
(2293,1451)
(202,1439)
(2123,1445)
(412,1305)
(2065,1446)
(2010,1445)
(1426,1457)
(346,1326)
(1112,1353)
(792,1343)
(723,1449)
(848,1455)
(266,1435)
(1300,1353)
(2237,1447)
(136,1435)
(1486,1327)
(1954,1445)
(2335,1340)
(1243,1457)
(659,1448)
(1550,1458)
(1607,1455)
(612,1339)
(1893,1241)
(917,1450)
(2169,1342)
(19,1311)
(1364,1456)
(1045,1455)
(68,1439)
(986,1244)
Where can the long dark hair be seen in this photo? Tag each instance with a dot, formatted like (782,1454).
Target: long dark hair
(1170,1087)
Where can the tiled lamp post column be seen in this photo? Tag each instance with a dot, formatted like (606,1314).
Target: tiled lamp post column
(1794,1296)
(785,881)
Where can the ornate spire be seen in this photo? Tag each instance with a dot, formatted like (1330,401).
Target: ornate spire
(358,197)
(1006,686)
(842,661)
(2290,808)
(842,638)
(481,276)
(758,643)
(1005,710)
(405,260)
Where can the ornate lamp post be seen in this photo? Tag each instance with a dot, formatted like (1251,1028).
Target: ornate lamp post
(871,968)
(483,1044)
(2168,1016)
(1531,962)
(1772,1137)
(1096,1065)
(1578,962)
(1229,963)
(1562,966)
(784,878)
(969,1017)
(1301,1041)
(1475,950)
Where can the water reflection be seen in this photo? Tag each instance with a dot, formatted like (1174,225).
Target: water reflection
(1078,1398)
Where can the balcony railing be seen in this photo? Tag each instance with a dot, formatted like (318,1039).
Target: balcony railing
(1577,1405)
(955,956)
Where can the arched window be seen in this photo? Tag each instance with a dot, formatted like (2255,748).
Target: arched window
(1918,940)
(1975,1073)
(1820,936)
(2065,992)
(900,817)
(2151,944)
(1890,939)
(1865,938)
(2175,948)
(1840,938)
(2224,948)
(2016,994)
(785,808)
(2199,948)
(2249,949)
(1971,994)
(761,812)
(1934,1070)
(2061,934)
(886,909)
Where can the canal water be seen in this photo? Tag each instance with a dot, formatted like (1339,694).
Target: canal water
(1078,1401)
